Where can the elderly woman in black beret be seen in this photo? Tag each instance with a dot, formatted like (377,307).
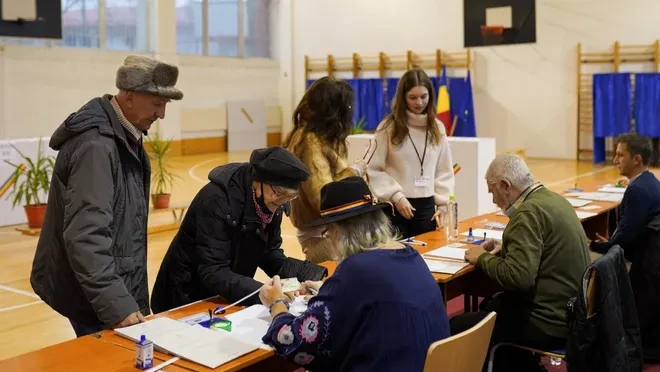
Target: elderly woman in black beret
(231,228)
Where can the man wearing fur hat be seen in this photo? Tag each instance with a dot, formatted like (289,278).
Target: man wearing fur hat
(231,228)
(91,260)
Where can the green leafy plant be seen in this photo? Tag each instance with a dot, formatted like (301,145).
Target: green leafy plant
(358,127)
(161,174)
(32,177)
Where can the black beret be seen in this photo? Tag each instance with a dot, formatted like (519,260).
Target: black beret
(278,167)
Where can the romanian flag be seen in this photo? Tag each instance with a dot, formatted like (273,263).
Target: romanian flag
(11,180)
(456,168)
(442,108)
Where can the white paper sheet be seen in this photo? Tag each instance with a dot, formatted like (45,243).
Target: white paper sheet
(612,189)
(578,202)
(451,251)
(582,214)
(479,234)
(251,324)
(589,207)
(601,196)
(445,267)
(194,343)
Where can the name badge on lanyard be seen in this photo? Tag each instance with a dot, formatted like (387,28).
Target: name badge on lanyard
(421,180)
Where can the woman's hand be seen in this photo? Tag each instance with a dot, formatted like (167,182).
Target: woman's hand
(272,291)
(361,166)
(405,208)
(316,286)
(440,217)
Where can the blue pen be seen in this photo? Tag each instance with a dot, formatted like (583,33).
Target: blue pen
(219,310)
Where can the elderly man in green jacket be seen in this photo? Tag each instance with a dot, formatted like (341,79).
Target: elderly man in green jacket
(539,264)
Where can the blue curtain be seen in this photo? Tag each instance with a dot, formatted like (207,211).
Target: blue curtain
(612,103)
(369,101)
(462,106)
(391,84)
(647,104)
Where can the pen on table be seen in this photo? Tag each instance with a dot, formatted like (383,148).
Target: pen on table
(210,316)
(484,236)
(414,242)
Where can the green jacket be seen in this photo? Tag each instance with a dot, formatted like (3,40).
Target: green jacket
(544,255)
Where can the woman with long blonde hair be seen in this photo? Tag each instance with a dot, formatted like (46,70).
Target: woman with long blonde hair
(321,123)
(412,166)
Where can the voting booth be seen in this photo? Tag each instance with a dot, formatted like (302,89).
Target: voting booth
(473,155)
(28,147)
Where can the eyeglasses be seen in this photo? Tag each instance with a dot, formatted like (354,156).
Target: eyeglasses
(281,194)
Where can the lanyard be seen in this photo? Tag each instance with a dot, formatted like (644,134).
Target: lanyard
(426,141)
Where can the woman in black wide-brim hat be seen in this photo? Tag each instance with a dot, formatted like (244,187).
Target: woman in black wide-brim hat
(380,310)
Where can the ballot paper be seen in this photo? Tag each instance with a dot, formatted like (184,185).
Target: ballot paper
(290,285)
(191,342)
(598,196)
(445,267)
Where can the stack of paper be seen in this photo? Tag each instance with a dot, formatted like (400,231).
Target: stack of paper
(194,343)
(582,214)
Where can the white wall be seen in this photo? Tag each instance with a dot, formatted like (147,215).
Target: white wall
(41,86)
(525,96)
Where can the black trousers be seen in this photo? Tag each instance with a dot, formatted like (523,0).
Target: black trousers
(420,223)
(511,325)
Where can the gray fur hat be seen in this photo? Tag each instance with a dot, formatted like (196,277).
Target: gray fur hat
(147,75)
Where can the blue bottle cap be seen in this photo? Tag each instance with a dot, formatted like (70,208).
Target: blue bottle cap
(143,338)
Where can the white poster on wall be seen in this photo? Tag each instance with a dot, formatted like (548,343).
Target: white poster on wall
(246,125)
(11,150)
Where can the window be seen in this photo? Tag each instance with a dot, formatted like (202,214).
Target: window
(189,39)
(223,28)
(126,25)
(211,27)
(256,26)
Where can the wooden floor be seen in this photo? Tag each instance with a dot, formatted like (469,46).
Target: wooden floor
(27,324)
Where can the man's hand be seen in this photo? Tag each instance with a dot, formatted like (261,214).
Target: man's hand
(599,239)
(134,318)
(473,254)
(623,182)
(492,246)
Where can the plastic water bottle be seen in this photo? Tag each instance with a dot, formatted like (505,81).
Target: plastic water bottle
(451,229)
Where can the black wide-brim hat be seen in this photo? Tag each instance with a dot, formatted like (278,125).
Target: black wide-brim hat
(344,199)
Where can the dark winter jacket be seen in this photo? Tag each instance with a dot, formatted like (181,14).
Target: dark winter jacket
(219,246)
(645,282)
(91,260)
(607,339)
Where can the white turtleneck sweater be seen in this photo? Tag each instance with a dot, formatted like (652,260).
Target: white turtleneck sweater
(393,169)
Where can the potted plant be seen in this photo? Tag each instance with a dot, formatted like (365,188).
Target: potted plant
(162,177)
(359,126)
(32,178)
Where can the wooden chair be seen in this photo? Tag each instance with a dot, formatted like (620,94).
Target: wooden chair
(556,356)
(464,352)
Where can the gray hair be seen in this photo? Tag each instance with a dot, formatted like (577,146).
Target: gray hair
(512,168)
(362,233)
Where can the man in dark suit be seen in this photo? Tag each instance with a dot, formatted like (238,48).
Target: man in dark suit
(641,201)
(637,232)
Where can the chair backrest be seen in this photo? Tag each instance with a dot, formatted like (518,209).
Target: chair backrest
(464,352)
(592,293)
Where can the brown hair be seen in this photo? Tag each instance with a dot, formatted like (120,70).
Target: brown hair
(326,109)
(396,122)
